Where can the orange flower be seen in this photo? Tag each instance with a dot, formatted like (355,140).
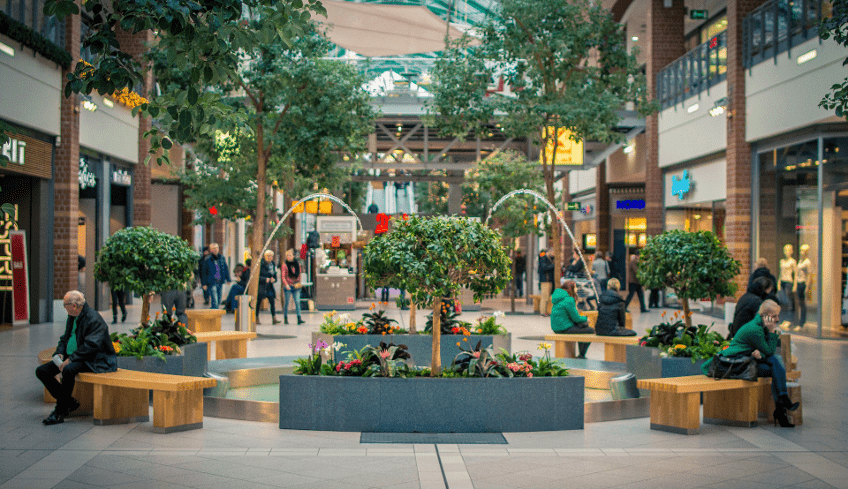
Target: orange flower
(458,344)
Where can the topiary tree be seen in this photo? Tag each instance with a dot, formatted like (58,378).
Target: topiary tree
(432,258)
(144,260)
(695,265)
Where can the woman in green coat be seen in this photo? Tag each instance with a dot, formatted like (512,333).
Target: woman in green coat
(565,319)
(759,339)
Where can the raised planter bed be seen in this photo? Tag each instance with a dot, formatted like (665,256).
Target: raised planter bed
(192,362)
(427,405)
(645,363)
(420,345)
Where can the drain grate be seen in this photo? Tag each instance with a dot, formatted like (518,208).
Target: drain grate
(435,438)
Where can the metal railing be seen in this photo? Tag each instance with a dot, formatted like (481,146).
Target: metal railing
(778,25)
(694,72)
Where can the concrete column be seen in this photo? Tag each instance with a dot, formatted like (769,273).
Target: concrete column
(738,221)
(602,210)
(66,179)
(665,44)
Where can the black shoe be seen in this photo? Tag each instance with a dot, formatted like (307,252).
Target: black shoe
(300,321)
(285,320)
(258,321)
(72,406)
(274,321)
(645,310)
(786,403)
(55,417)
(123,317)
(114,320)
(780,418)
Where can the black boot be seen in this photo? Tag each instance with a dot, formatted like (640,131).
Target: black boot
(274,320)
(780,417)
(300,321)
(787,403)
(114,319)
(285,320)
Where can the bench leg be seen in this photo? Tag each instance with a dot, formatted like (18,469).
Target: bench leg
(230,349)
(177,411)
(615,353)
(677,413)
(119,405)
(564,349)
(736,407)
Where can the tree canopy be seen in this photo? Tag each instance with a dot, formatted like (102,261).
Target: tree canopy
(695,265)
(836,27)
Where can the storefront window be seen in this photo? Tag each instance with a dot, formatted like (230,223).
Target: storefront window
(708,216)
(835,218)
(788,231)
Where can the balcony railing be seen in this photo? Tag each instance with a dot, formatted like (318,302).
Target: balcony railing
(778,25)
(31,14)
(694,72)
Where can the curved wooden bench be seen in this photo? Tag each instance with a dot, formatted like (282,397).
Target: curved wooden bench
(228,344)
(614,346)
(204,319)
(123,397)
(675,402)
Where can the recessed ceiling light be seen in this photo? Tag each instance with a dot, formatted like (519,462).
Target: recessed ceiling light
(634,38)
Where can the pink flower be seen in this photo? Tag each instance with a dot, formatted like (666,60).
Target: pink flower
(355,362)
(384,354)
(529,375)
(476,354)
(339,366)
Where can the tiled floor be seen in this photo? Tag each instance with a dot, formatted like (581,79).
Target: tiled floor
(237,454)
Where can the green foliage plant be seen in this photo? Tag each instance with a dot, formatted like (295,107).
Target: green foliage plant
(488,325)
(482,362)
(448,321)
(435,257)
(159,338)
(836,27)
(144,261)
(316,363)
(139,345)
(378,323)
(675,339)
(340,324)
(695,265)
(566,65)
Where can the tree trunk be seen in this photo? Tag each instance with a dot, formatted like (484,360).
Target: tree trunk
(512,284)
(436,361)
(145,308)
(684,303)
(257,238)
(412,328)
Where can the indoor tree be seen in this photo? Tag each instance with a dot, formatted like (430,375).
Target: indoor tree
(145,261)
(433,258)
(565,66)
(836,26)
(694,265)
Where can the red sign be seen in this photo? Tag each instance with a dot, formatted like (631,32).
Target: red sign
(337,241)
(382,224)
(350,300)
(20,278)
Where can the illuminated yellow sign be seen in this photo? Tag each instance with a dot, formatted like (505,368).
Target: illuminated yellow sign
(314,207)
(568,151)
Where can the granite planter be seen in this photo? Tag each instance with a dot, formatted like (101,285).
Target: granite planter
(420,345)
(192,362)
(645,363)
(430,405)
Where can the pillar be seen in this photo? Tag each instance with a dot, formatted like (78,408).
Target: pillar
(602,210)
(66,179)
(665,44)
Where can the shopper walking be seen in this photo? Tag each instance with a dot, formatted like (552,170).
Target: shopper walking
(214,274)
(267,279)
(291,286)
(119,299)
(601,270)
(633,284)
(520,269)
(199,274)
(546,281)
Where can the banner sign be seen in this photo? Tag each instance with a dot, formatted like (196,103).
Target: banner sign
(20,278)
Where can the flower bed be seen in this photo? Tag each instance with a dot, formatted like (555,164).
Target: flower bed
(162,346)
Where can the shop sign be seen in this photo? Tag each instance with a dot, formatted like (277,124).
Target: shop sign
(336,241)
(28,155)
(15,150)
(20,279)
(587,209)
(630,204)
(121,177)
(568,152)
(573,206)
(681,187)
(86,176)
(382,223)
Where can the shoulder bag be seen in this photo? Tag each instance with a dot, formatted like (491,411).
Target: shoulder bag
(740,367)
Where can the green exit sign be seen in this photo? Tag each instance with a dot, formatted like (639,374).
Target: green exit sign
(573,206)
(695,14)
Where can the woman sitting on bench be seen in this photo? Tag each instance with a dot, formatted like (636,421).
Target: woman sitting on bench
(612,319)
(759,339)
(564,316)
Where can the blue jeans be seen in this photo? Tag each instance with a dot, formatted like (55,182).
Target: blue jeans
(773,367)
(235,290)
(291,292)
(214,295)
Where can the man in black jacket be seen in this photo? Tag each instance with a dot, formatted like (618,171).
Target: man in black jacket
(546,281)
(85,347)
(520,269)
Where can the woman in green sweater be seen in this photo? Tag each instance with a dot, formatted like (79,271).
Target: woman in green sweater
(564,316)
(759,339)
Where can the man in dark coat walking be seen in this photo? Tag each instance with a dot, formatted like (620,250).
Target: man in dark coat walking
(85,347)
(520,269)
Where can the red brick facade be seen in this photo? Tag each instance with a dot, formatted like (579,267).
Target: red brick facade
(602,210)
(665,44)
(66,181)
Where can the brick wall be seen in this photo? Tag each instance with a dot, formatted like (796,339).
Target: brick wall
(665,44)
(136,45)
(66,180)
(602,210)
(738,205)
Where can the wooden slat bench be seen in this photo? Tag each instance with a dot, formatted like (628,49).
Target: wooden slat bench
(82,391)
(675,402)
(123,397)
(615,347)
(204,319)
(228,344)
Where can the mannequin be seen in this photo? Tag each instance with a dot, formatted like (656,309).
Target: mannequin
(788,272)
(802,274)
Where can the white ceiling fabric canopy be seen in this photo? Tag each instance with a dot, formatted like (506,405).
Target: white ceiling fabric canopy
(373,29)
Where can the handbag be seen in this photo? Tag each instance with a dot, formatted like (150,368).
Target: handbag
(297,285)
(741,367)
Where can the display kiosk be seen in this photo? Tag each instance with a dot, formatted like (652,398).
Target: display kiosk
(335,263)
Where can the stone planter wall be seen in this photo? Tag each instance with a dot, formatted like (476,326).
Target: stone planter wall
(646,363)
(420,345)
(426,405)
(191,363)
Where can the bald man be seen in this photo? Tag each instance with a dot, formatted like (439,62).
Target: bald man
(85,347)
